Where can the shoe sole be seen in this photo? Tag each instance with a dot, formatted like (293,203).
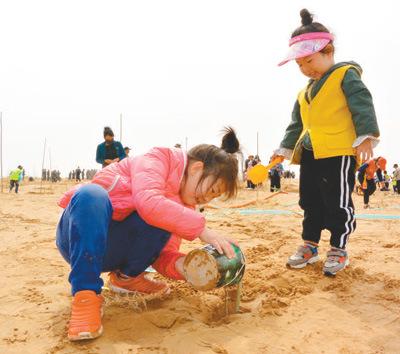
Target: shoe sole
(85,335)
(312,260)
(332,274)
(118,290)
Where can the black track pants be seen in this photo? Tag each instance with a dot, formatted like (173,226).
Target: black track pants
(325,196)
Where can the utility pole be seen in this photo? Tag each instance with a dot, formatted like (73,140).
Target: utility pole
(50,159)
(257,146)
(44,154)
(120,127)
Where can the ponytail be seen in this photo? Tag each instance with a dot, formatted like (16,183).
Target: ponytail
(220,162)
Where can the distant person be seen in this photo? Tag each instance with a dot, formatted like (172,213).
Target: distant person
(386,182)
(15,177)
(83,174)
(127,150)
(249,159)
(21,176)
(248,164)
(332,123)
(78,174)
(379,178)
(276,174)
(53,176)
(396,177)
(110,150)
(366,177)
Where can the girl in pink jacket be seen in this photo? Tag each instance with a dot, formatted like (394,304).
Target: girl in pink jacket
(134,214)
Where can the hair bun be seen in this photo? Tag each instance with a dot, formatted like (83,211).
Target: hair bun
(230,142)
(108,131)
(306,17)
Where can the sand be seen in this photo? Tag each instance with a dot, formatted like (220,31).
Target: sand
(282,310)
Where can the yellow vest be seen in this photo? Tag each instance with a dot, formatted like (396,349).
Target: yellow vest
(327,119)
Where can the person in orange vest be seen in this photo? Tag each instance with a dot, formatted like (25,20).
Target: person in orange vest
(366,177)
(333,124)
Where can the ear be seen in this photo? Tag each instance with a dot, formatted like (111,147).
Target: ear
(195,167)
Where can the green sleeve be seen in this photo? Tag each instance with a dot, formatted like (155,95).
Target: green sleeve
(360,103)
(293,131)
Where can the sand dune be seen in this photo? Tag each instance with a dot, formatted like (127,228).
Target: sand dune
(282,311)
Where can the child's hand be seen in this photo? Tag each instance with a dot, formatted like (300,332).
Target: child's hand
(364,151)
(179,265)
(221,243)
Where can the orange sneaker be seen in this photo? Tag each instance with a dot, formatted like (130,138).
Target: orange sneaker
(141,284)
(86,315)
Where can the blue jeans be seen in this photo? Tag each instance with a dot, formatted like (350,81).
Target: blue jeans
(91,242)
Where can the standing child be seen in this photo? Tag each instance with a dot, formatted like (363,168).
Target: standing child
(386,180)
(134,214)
(333,121)
(276,173)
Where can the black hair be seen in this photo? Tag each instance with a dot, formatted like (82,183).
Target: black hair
(220,162)
(308,25)
(108,131)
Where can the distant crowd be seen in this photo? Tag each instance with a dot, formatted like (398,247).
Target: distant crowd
(372,175)
(53,175)
(79,175)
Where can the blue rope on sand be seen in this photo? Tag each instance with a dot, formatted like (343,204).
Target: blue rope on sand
(288,212)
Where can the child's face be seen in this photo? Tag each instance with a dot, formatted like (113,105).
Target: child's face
(315,65)
(193,193)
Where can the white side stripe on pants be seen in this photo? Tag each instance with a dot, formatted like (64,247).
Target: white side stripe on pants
(345,198)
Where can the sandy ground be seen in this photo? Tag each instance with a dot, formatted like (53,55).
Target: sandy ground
(283,311)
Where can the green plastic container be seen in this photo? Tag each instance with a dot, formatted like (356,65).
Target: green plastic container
(206,269)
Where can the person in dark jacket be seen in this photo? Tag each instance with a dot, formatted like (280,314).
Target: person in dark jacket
(110,150)
(78,172)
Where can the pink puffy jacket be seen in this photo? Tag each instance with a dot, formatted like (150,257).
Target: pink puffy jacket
(150,184)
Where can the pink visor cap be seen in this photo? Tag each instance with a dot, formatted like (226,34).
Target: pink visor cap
(307,44)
